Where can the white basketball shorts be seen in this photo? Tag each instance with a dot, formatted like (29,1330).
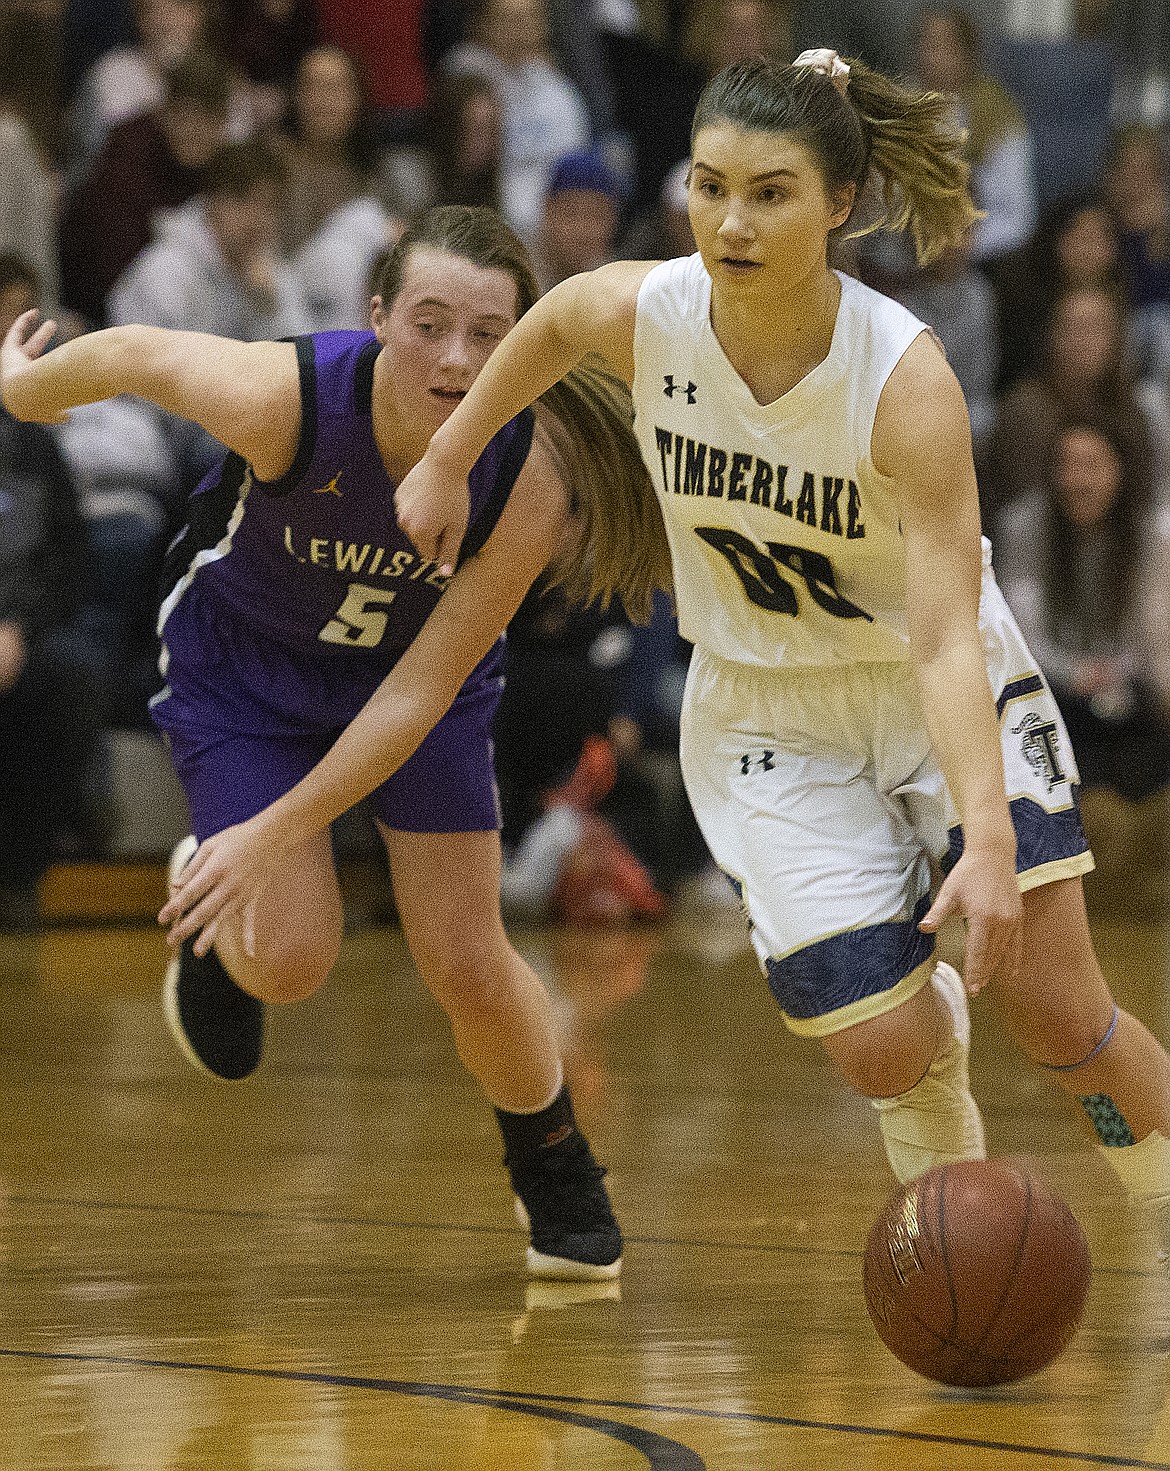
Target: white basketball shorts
(819,794)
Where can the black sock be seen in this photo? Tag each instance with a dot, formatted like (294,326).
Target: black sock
(527,1135)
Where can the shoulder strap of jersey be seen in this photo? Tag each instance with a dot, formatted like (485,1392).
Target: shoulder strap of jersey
(513,460)
(307,444)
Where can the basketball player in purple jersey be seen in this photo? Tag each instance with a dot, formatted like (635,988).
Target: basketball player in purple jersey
(292,597)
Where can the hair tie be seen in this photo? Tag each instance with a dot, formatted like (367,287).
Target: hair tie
(826,61)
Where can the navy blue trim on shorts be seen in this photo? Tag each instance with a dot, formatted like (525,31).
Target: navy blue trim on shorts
(829,974)
(1041,837)
(1031,684)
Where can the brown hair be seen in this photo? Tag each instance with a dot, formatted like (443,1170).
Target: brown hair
(621,545)
(906,139)
(236,169)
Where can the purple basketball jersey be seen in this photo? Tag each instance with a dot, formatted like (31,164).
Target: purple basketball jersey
(313,568)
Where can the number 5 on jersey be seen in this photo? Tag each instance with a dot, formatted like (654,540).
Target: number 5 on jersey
(358,622)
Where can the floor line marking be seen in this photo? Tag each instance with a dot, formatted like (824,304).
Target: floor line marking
(663,1454)
(385,1223)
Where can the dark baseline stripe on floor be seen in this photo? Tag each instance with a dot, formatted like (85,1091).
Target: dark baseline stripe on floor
(385,1224)
(662,1454)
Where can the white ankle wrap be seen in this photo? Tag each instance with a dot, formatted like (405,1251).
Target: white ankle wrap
(1143,1168)
(937,1121)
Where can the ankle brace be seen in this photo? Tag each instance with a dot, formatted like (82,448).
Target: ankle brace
(935,1122)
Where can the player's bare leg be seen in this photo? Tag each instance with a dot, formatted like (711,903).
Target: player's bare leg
(214,1004)
(446,886)
(1065,1018)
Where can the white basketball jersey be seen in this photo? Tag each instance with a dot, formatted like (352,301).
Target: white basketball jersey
(785,539)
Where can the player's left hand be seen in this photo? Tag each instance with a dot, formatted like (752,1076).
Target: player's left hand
(983,888)
(224,879)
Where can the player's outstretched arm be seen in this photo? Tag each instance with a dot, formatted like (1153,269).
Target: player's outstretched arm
(243,393)
(589,313)
(922,439)
(229,870)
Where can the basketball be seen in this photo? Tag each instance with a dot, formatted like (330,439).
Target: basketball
(976,1273)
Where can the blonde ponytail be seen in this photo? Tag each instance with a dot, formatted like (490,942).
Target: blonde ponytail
(917,153)
(621,548)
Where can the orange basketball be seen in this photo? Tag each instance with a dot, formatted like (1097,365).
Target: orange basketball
(976,1273)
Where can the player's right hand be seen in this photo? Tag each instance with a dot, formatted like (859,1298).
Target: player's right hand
(433,505)
(224,879)
(22,345)
(983,889)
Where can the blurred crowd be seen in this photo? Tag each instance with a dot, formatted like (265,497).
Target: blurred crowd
(240,169)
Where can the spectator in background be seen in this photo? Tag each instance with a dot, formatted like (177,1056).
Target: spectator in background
(267,39)
(123,472)
(149,163)
(329,146)
(959,303)
(663,232)
(1076,244)
(130,80)
(334,217)
(386,35)
(1084,373)
(1138,190)
(645,64)
(458,158)
(580,218)
(214,265)
(577,43)
(580,823)
(30,57)
(544,116)
(51,708)
(28,191)
(719,33)
(999,146)
(1071,553)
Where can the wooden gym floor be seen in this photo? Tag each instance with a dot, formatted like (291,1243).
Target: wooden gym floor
(317,1270)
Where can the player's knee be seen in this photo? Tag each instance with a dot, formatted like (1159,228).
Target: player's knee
(1066,1039)
(289,971)
(873,1072)
(466,979)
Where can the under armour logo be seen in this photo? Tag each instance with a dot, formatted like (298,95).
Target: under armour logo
(672,388)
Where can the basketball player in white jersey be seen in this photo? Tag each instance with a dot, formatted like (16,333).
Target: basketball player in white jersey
(858,691)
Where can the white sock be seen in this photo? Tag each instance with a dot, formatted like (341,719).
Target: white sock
(1144,1170)
(937,1121)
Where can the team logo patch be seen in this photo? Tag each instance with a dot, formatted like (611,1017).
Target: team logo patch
(331,488)
(690,389)
(1041,748)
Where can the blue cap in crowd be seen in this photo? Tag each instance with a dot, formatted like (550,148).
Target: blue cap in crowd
(584,169)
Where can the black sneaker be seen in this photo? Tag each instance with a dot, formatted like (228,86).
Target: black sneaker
(218,1026)
(561,1199)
